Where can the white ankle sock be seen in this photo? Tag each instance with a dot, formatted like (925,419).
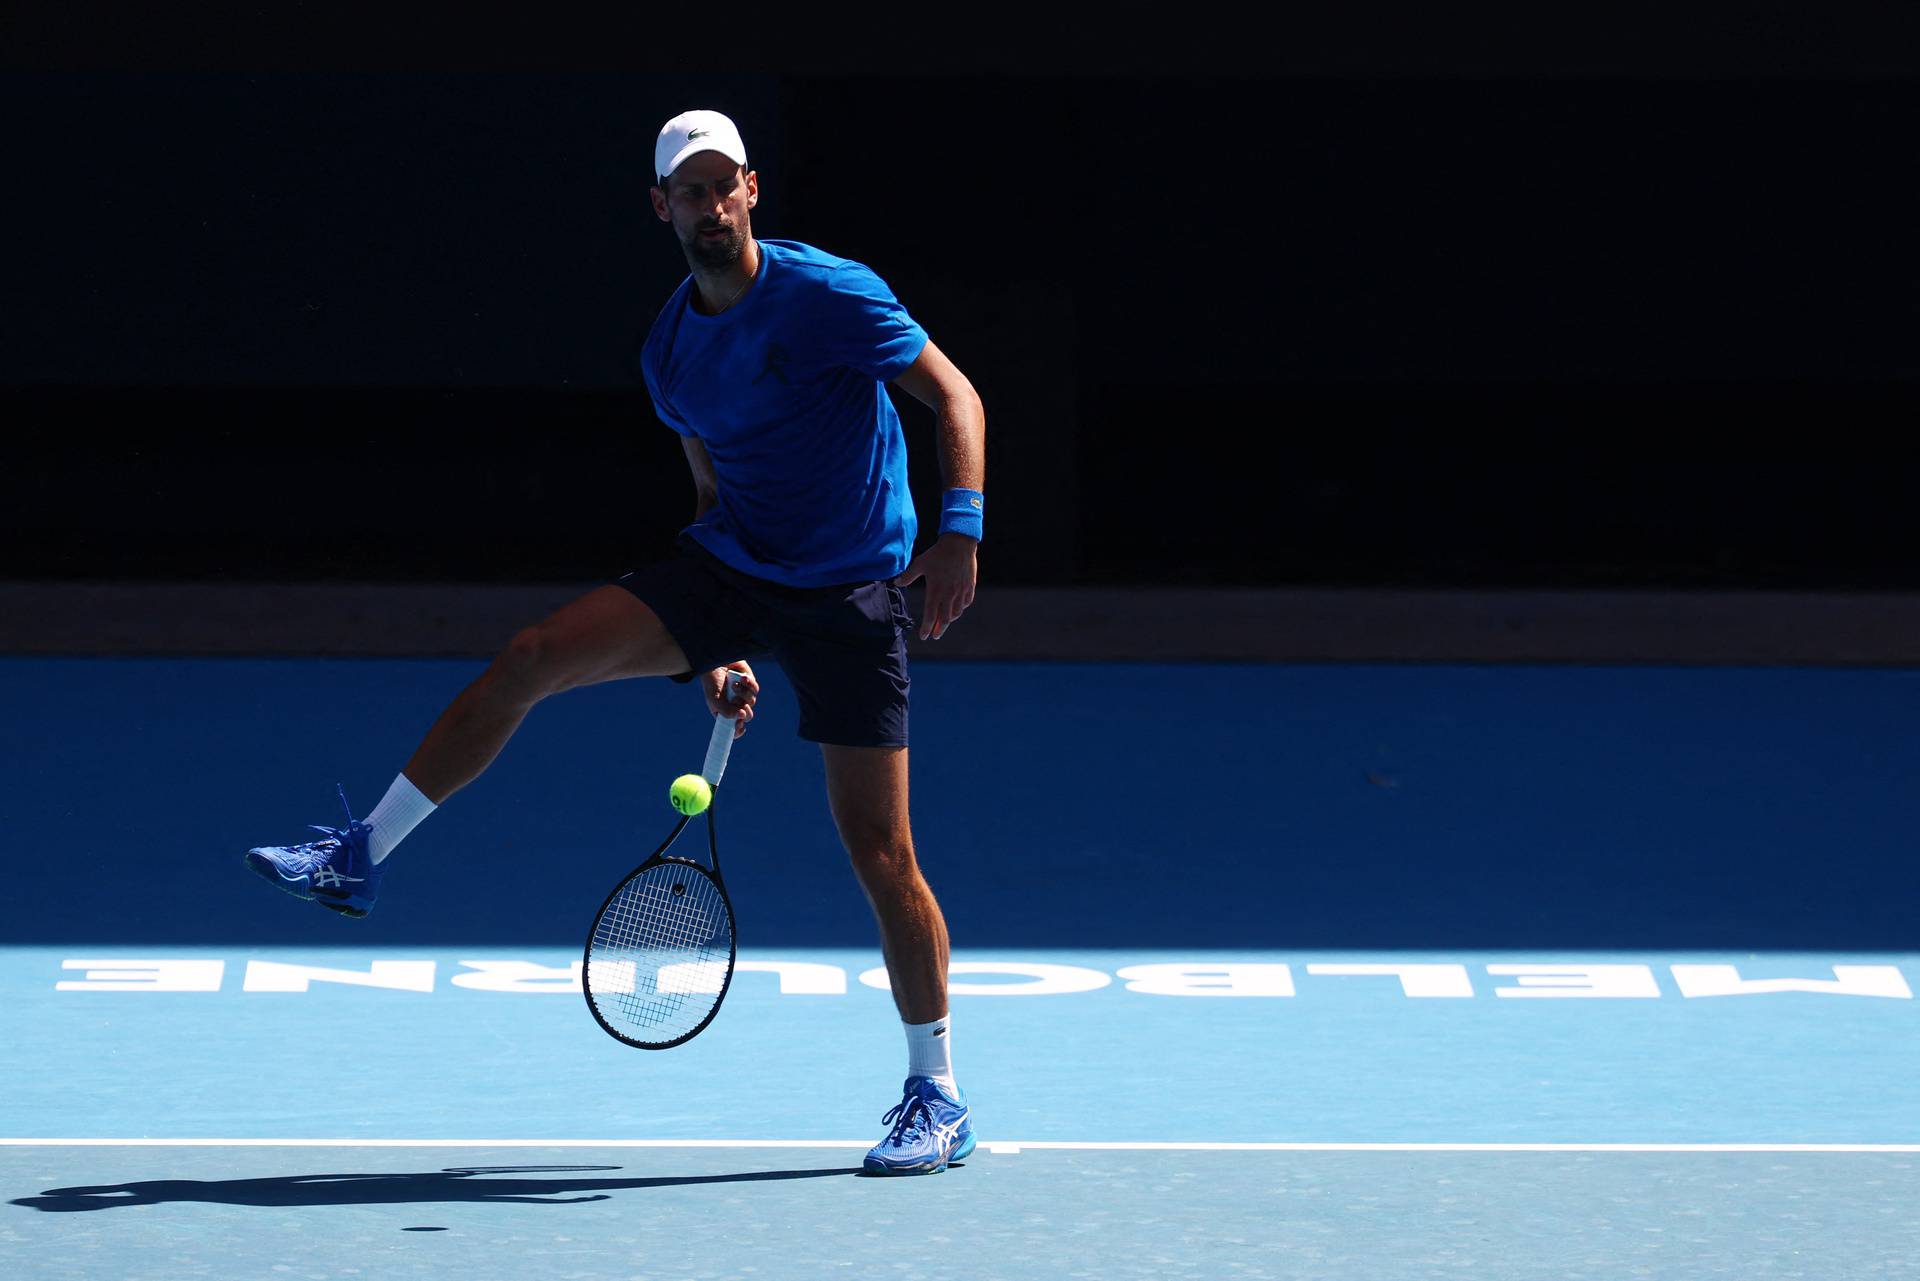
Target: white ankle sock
(930,1051)
(398,813)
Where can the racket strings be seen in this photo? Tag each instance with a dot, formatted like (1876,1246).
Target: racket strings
(660,954)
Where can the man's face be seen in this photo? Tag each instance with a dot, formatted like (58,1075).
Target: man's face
(708,199)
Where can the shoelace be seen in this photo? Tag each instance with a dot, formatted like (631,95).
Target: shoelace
(317,852)
(338,836)
(910,1114)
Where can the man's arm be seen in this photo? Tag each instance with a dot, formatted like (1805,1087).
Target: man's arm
(960,422)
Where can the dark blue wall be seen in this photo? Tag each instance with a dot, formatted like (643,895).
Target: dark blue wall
(1055,805)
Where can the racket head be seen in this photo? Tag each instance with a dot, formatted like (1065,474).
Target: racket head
(660,956)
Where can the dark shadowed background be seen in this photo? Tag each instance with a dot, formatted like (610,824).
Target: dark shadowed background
(1386,296)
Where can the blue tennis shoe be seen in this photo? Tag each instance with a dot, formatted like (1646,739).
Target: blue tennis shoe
(337,871)
(929,1131)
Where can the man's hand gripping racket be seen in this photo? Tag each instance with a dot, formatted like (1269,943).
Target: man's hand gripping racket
(659,958)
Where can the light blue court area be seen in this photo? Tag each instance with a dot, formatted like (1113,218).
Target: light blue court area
(1328,972)
(416,1112)
(146,1214)
(1111,1046)
(184,1043)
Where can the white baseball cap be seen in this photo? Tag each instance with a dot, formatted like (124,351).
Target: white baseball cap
(692,132)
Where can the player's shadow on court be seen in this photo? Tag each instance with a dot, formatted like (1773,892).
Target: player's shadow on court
(475,1184)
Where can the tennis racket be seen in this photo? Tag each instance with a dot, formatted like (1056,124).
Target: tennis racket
(660,956)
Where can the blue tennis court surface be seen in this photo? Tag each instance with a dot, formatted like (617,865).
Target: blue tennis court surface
(1260,972)
(1276,1047)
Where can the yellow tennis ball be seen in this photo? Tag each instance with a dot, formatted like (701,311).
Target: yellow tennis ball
(690,794)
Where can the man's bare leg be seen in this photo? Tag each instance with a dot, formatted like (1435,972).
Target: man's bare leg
(867,791)
(867,788)
(608,634)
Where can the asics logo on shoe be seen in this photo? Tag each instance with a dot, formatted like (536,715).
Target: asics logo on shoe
(326,878)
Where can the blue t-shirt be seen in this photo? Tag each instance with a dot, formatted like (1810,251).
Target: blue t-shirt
(786,388)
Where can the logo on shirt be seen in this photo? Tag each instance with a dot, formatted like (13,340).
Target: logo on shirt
(776,364)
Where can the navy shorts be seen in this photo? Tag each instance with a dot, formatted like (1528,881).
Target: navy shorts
(843,648)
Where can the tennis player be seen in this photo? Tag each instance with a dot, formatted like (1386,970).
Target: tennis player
(771,362)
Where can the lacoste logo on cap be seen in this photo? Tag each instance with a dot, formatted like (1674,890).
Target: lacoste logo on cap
(696,133)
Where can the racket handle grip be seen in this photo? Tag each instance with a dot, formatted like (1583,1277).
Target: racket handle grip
(720,746)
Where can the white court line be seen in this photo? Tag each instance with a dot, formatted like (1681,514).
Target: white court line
(1003,1147)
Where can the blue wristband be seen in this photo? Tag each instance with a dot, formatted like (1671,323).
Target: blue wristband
(960,512)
